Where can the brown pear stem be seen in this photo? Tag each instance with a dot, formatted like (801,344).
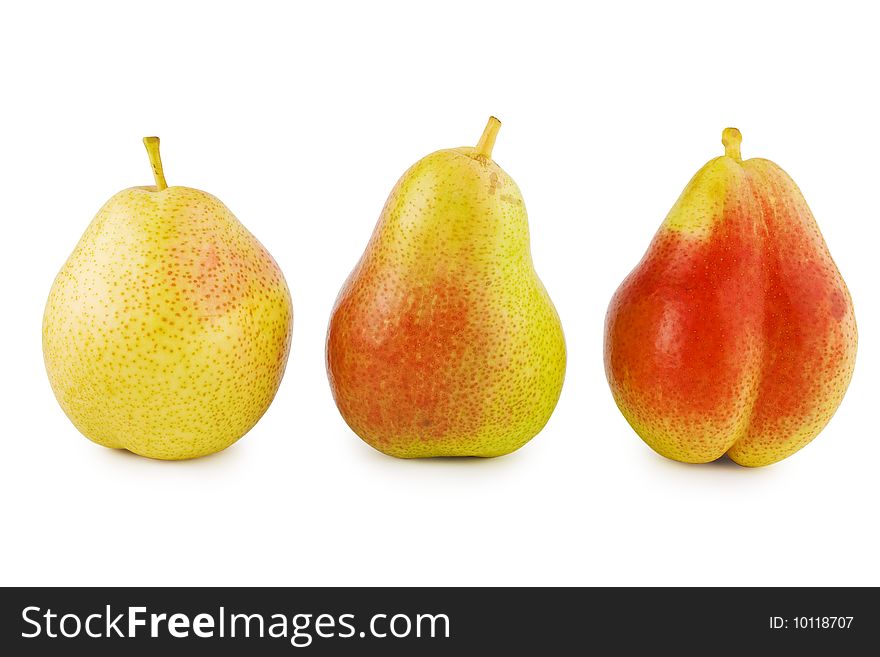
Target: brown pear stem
(487,141)
(731,138)
(152,144)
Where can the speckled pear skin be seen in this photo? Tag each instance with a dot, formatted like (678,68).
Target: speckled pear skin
(443,341)
(736,333)
(168,329)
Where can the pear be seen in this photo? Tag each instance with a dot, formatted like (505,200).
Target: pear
(443,341)
(167,331)
(736,333)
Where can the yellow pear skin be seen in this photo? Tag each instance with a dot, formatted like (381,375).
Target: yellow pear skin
(443,341)
(168,329)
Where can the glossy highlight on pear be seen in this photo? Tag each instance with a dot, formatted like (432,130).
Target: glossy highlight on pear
(443,341)
(736,333)
(168,329)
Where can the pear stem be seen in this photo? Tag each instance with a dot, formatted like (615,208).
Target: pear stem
(152,144)
(487,141)
(731,138)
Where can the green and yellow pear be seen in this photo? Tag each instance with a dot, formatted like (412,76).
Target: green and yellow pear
(443,341)
(168,329)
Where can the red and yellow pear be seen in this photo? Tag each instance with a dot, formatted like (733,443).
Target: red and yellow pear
(443,341)
(736,333)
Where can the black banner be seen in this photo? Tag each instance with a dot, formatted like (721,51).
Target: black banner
(434,621)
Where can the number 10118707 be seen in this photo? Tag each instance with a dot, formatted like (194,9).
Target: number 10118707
(811,622)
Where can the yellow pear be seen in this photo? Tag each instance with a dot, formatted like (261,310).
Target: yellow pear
(167,331)
(443,341)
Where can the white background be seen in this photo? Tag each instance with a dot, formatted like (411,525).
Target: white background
(301,119)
